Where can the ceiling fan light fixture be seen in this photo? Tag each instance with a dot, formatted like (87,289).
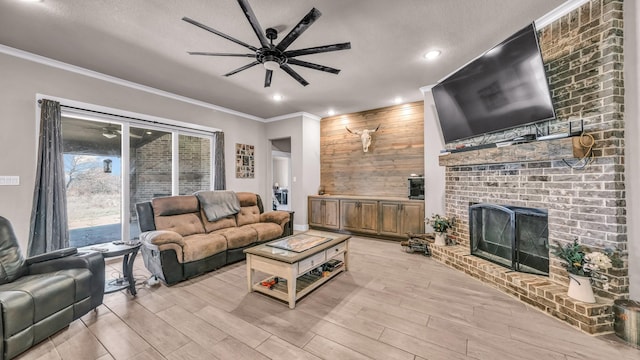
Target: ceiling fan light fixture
(432,54)
(271,65)
(109,134)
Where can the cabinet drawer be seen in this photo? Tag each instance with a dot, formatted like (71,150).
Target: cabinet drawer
(337,249)
(311,262)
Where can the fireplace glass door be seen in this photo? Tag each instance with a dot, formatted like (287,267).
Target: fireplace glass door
(514,237)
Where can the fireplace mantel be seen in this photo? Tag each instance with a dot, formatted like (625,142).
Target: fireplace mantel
(557,149)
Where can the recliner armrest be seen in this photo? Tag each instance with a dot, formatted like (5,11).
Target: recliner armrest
(278,217)
(51,255)
(83,260)
(160,237)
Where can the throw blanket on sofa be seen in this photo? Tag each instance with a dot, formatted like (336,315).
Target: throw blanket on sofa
(218,204)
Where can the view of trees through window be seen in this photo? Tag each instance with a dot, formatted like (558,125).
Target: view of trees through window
(94,174)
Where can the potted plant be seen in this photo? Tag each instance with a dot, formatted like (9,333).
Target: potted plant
(440,225)
(581,265)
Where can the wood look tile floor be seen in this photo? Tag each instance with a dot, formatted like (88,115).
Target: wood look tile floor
(389,305)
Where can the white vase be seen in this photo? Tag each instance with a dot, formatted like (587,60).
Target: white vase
(580,288)
(441,239)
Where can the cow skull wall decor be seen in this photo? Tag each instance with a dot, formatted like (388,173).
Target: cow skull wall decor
(365,136)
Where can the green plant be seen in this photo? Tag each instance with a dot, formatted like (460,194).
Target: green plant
(580,262)
(441,224)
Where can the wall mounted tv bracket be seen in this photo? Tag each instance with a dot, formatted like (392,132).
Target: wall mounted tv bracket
(572,132)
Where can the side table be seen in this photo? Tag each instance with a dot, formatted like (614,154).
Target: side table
(109,250)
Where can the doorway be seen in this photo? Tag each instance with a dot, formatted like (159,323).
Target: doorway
(281,174)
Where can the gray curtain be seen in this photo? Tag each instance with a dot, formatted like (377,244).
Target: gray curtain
(49,229)
(220,182)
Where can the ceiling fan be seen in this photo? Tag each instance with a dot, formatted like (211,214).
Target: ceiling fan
(273,56)
(111,131)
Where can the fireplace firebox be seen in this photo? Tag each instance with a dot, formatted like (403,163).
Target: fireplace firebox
(511,236)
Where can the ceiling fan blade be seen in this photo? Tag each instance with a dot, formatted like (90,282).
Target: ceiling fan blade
(267,78)
(294,74)
(242,68)
(219,54)
(297,30)
(212,30)
(248,12)
(318,49)
(313,66)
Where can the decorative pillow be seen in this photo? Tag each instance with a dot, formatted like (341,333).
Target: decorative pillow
(11,260)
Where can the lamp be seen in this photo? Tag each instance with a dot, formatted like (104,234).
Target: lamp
(271,65)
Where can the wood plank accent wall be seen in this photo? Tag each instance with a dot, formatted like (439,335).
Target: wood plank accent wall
(396,151)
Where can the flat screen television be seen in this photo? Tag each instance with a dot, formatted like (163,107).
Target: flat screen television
(503,88)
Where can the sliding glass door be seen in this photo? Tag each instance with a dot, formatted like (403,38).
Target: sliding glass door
(111,166)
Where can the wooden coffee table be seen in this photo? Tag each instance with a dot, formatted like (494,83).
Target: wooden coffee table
(298,270)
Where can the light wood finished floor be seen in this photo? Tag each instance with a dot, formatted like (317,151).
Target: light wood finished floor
(390,305)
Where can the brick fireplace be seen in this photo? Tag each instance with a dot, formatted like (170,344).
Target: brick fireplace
(583,58)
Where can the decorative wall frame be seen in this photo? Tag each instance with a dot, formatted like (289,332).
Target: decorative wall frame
(245,168)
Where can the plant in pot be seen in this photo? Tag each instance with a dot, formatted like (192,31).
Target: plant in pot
(581,266)
(440,225)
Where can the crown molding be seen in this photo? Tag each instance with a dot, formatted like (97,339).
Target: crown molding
(114,80)
(427,88)
(557,13)
(289,116)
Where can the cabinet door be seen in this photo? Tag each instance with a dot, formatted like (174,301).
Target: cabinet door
(349,215)
(369,216)
(315,212)
(412,218)
(332,214)
(389,218)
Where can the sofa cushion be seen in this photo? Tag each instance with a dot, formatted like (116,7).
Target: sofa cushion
(227,222)
(238,237)
(200,246)
(247,199)
(35,297)
(183,224)
(175,205)
(11,260)
(248,215)
(267,231)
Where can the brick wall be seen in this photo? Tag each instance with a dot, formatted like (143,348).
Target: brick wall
(583,56)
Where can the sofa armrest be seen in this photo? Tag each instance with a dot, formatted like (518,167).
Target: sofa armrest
(278,217)
(51,255)
(83,260)
(161,237)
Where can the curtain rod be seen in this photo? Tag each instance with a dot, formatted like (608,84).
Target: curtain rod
(130,117)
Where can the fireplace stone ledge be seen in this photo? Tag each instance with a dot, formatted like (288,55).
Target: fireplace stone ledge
(535,290)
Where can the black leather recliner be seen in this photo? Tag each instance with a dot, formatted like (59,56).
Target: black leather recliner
(41,295)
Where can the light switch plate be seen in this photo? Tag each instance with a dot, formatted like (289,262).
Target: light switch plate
(9,180)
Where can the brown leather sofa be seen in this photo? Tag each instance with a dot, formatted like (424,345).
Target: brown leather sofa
(179,242)
(42,294)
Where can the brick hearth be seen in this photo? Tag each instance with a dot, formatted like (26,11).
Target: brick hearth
(538,291)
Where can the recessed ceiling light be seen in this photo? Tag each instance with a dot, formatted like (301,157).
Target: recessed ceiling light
(277,97)
(331,112)
(397,100)
(432,54)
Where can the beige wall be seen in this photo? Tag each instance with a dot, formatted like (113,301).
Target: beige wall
(434,178)
(21,80)
(632,145)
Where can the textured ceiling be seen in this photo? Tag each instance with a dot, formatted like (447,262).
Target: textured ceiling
(146,42)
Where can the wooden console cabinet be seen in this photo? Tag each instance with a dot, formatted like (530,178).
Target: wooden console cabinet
(324,213)
(382,217)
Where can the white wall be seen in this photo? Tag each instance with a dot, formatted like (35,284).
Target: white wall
(632,143)
(434,174)
(304,131)
(22,79)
